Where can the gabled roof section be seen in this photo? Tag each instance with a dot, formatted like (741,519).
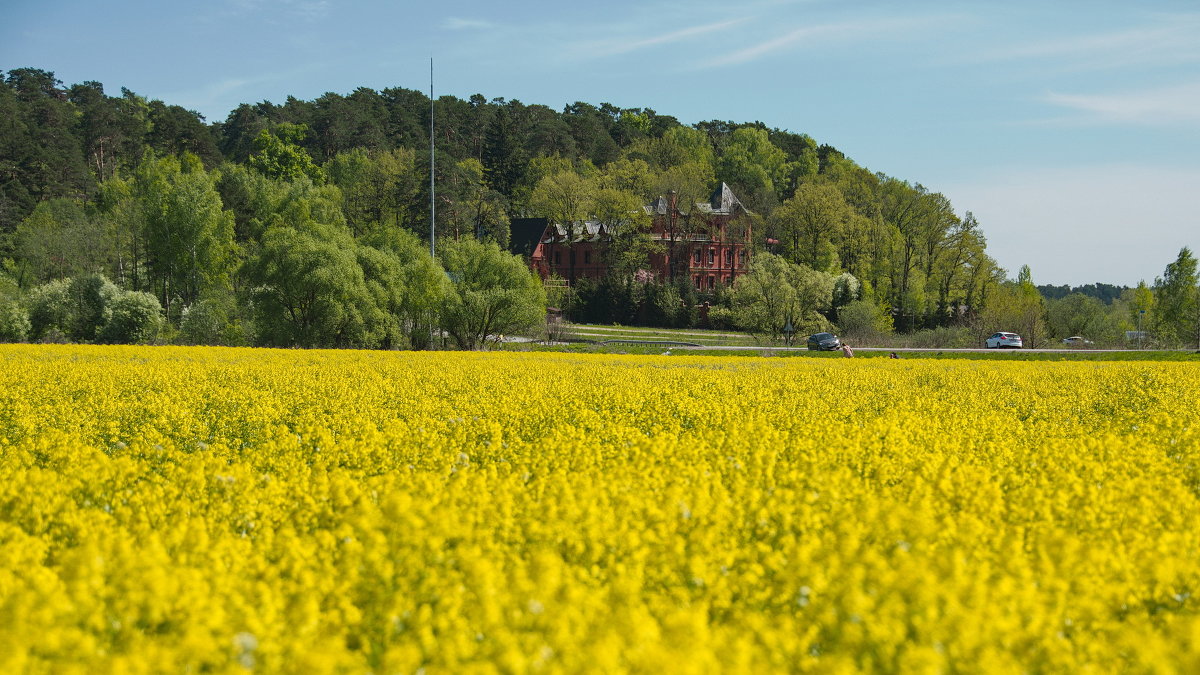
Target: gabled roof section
(724,202)
(584,230)
(525,233)
(657,207)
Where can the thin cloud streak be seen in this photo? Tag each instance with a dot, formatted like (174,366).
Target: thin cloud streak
(1165,106)
(1176,41)
(455,23)
(830,32)
(675,36)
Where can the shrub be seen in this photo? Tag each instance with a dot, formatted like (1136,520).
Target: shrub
(14,322)
(49,310)
(134,317)
(90,298)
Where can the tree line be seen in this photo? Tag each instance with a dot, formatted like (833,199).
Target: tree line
(306,222)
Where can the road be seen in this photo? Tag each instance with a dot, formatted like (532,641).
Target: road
(901,350)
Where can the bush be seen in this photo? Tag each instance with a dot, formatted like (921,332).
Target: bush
(50,310)
(204,323)
(664,306)
(863,320)
(942,337)
(134,317)
(14,322)
(91,297)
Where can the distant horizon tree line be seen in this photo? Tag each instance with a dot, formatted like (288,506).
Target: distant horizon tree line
(208,219)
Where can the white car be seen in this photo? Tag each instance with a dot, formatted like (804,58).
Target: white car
(1002,340)
(1076,341)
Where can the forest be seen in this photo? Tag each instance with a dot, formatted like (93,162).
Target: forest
(307,223)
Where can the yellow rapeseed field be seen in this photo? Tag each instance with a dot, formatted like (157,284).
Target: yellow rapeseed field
(217,510)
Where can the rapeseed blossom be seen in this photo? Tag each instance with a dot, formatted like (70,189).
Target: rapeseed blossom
(190,509)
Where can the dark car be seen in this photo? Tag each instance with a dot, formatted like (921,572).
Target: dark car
(824,342)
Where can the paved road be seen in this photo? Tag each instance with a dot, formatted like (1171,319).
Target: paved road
(900,350)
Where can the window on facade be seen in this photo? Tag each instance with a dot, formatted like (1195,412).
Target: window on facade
(696,257)
(728,257)
(558,257)
(712,256)
(572,257)
(712,282)
(587,257)
(696,279)
(741,258)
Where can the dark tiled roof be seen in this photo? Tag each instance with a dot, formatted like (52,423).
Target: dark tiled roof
(525,234)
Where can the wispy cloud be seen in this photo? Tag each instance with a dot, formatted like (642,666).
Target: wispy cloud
(310,10)
(1167,40)
(822,34)
(625,45)
(457,23)
(1162,106)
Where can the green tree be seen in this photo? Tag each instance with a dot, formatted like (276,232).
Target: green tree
(416,299)
(776,293)
(14,317)
(135,317)
(478,210)
(1177,301)
(1083,315)
(678,146)
(629,244)
(90,298)
(278,154)
(494,293)
(189,242)
(920,220)
(682,187)
(810,223)
(41,156)
(863,320)
(1017,307)
(1140,303)
(565,199)
(754,168)
(58,240)
(50,310)
(309,290)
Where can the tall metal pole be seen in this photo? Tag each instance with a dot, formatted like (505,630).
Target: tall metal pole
(432,202)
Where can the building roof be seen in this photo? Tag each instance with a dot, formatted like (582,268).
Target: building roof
(722,203)
(525,233)
(585,230)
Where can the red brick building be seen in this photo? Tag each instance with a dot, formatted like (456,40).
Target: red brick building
(708,243)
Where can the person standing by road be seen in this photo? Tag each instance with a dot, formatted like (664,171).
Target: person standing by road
(846,351)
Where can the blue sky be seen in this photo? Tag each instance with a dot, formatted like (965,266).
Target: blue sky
(1070,129)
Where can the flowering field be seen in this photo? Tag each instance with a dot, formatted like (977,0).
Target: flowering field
(192,509)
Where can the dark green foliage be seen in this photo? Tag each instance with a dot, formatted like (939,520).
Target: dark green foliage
(90,303)
(278,155)
(135,317)
(1177,301)
(49,309)
(1105,293)
(202,216)
(14,322)
(41,154)
(493,293)
(205,323)
(309,290)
